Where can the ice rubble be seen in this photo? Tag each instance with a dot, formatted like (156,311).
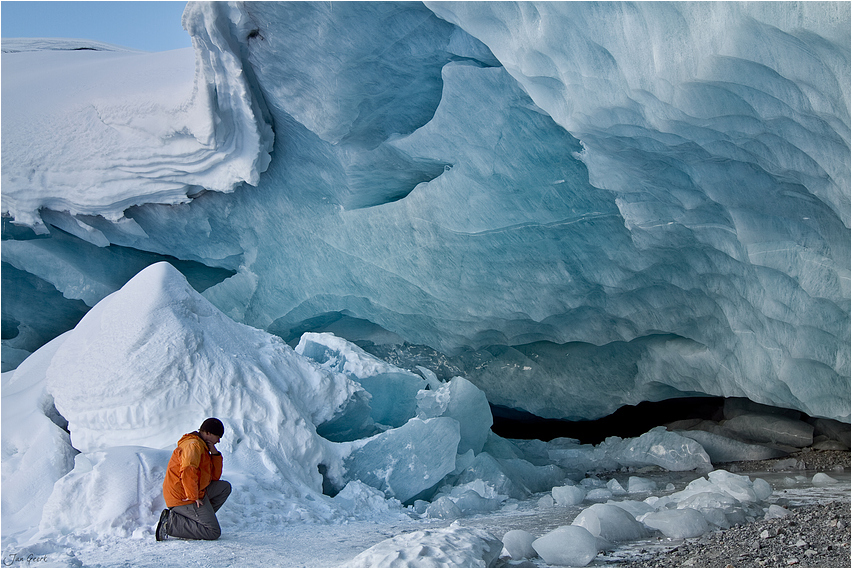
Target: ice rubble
(720,500)
(150,361)
(658,206)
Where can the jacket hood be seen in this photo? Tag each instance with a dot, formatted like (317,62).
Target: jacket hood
(191,435)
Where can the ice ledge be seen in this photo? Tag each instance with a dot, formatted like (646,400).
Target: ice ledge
(136,127)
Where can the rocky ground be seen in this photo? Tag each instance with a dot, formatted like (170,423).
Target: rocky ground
(816,535)
(810,536)
(805,459)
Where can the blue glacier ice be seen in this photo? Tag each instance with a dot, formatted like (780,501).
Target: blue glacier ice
(405,461)
(393,392)
(575,206)
(465,403)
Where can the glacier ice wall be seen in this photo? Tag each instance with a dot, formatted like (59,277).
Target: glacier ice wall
(581,205)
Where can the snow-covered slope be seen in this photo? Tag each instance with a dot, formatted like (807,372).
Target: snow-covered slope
(581,205)
(94,131)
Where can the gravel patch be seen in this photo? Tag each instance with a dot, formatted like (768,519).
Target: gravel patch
(816,535)
(810,535)
(806,459)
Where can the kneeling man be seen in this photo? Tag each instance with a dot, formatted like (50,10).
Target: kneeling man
(192,488)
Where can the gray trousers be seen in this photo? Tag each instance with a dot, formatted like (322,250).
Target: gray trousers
(192,522)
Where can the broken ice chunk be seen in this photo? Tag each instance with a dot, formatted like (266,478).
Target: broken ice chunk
(822,479)
(567,546)
(725,449)
(639,485)
(393,390)
(659,447)
(568,495)
(677,524)
(464,402)
(610,523)
(518,544)
(403,462)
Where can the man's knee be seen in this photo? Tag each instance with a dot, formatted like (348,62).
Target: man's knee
(212,534)
(218,491)
(219,488)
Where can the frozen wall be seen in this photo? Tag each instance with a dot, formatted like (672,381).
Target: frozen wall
(579,205)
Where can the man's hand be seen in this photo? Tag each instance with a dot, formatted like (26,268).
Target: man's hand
(211,447)
(199,503)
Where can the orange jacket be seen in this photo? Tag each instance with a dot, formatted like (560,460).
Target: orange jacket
(190,470)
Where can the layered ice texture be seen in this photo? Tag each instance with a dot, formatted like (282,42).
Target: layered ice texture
(575,206)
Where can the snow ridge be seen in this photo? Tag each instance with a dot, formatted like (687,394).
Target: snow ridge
(143,128)
(17,45)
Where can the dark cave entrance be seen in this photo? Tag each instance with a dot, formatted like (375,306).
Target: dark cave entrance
(628,421)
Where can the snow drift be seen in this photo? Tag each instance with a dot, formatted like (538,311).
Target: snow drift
(134,127)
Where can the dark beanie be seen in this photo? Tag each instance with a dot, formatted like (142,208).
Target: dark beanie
(213,426)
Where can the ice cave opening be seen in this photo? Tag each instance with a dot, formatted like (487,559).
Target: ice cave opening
(628,421)
(730,428)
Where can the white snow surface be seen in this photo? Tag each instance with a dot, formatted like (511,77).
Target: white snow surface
(449,547)
(134,127)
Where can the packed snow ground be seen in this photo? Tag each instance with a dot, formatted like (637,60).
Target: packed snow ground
(90,419)
(337,544)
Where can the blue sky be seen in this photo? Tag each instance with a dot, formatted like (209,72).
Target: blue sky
(149,26)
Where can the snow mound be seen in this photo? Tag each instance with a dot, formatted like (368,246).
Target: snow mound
(145,365)
(135,127)
(37,450)
(121,490)
(449,547)
(156,357)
